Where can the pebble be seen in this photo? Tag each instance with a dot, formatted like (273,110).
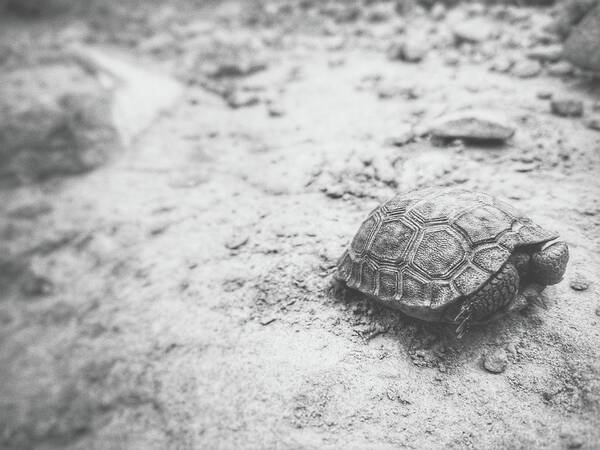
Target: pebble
(31,211)
(496,361)
(598,311)
(5,318)
(240,99)
(334,191)
(275,109)
(526,68)
(560,69)
(501,64)
(525,167)
(236,242)
(512,349)
(36,285)
(472,30)
(567,107)
(438,11)
(579,282)
(157,43)
(240,68)
(452,58)
(544,95)
(394,51)
(400,139)
(572,440)
(407,92)
(475,8)
(414,50)
(474,125)
(379,13)
(513,15)
(547,53)
(593,122)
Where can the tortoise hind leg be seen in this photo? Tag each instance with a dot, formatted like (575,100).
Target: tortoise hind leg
(492,297)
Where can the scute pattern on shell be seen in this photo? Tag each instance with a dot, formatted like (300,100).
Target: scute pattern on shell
(422,250)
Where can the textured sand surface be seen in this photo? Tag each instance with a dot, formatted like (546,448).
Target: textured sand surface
(186,302)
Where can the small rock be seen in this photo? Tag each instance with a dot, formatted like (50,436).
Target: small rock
(579,282)
(475,8)
(392,91)
(157,43)
(592,122)
(496,361)
(413,49)
(526,68)
(472,30)
(379,13)
(598,311)
(275,109)
(572,440)
(547,53)
(438,11)
(501,64)
(159,229)
(241,99)
(524,167)
(233,284)
(472,124)
(544,95)
(567,107)
(343,13)
(334,191)
(512,349)
(560,69)
(512,15)
(401,139)
(452,58)
(239,67)
(31,211)
(35,285)
(58,313)
(236,242)
(6,318)
(542,37)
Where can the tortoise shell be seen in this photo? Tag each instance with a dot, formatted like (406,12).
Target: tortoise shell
(422,251)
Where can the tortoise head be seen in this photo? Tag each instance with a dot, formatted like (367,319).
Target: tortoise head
(548,264)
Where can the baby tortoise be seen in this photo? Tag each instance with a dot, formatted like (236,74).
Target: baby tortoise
(452,255)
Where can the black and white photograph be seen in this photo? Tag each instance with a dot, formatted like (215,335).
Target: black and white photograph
(299,224)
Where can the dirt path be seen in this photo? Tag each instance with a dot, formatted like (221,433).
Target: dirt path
(188,305)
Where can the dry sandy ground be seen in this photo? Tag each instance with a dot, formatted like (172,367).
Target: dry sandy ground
(177,297)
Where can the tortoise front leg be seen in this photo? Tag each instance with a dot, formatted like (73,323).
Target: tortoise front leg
(530,295)
(492,297)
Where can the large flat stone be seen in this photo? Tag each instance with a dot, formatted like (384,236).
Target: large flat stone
(582,47)
(472,124)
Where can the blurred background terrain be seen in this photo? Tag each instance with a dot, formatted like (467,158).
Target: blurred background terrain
(178,179)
